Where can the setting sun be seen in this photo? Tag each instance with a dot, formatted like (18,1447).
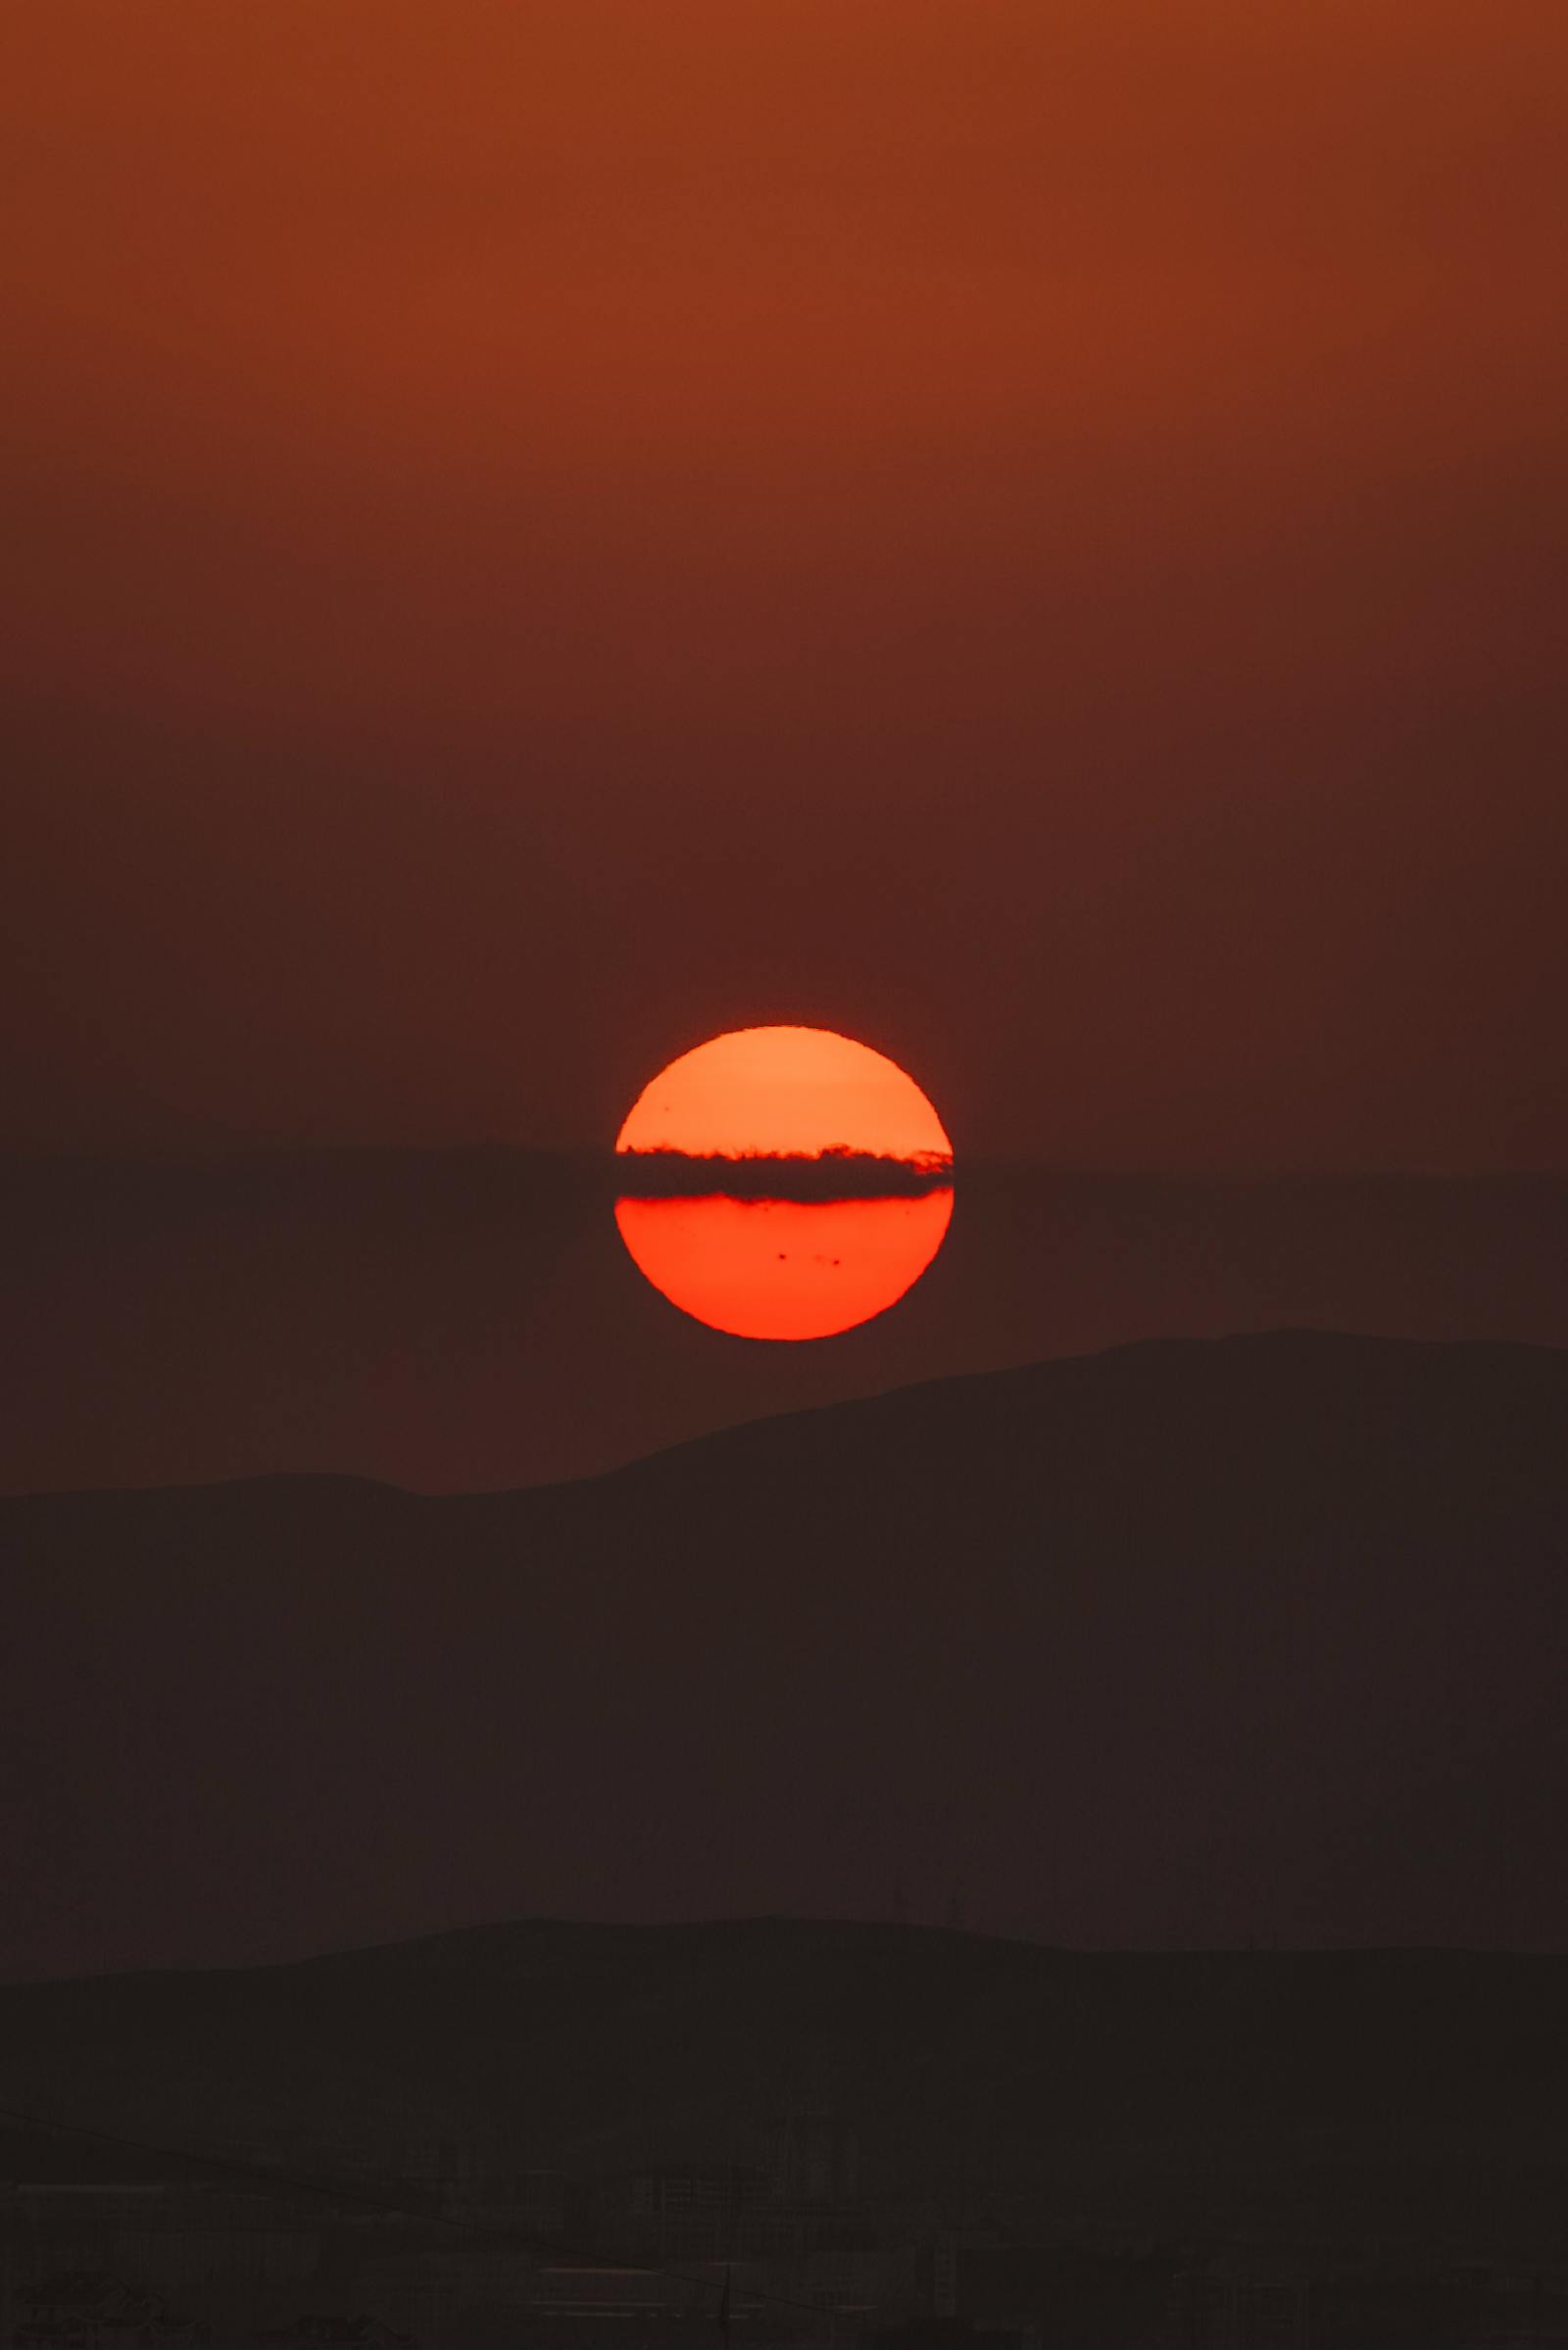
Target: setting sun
(835,1199)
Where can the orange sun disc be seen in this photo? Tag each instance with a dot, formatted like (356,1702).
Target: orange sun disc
(783,1183)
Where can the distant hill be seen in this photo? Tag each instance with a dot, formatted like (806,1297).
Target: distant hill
(1347,2096)
(1191,1643)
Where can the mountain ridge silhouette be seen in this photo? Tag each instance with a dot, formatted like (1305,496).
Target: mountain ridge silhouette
(1190,1643)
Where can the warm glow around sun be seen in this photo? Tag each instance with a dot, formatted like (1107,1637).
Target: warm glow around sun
(785,1090)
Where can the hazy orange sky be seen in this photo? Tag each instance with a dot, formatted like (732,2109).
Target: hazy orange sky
(1033,534)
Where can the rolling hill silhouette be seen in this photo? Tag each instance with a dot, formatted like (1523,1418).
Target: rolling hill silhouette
(1256,1641)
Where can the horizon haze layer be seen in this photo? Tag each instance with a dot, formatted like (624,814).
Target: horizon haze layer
(461,1320)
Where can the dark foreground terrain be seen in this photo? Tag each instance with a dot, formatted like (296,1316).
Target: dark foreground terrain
(1181,2092)
(884,2127)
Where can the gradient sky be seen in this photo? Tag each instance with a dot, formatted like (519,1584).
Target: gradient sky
(1033,535)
